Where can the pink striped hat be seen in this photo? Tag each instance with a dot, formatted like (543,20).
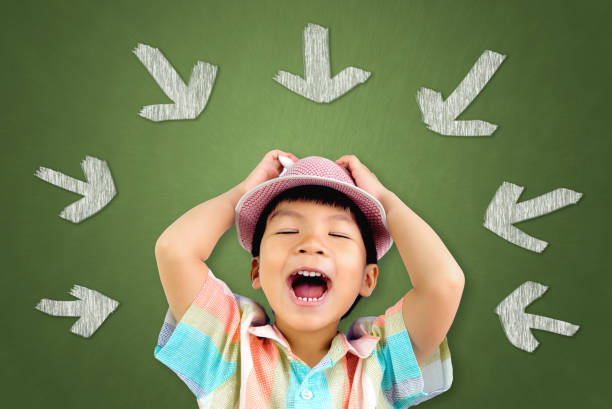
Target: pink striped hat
(312,170)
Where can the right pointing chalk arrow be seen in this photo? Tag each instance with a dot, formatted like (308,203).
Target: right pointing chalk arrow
(97,192)
(189,99)
(92,308)
(439,115)
(518,324)
(503,211)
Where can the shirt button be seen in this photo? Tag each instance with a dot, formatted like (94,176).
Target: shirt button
(307,394)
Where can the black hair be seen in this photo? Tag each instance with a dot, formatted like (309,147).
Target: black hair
(320,195)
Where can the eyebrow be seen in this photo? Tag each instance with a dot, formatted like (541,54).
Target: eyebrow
(288,212)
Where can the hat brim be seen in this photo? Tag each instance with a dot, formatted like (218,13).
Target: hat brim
(253,202)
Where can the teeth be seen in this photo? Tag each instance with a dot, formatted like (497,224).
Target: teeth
(309,273)
(308,299)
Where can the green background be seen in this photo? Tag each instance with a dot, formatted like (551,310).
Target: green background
(72,87)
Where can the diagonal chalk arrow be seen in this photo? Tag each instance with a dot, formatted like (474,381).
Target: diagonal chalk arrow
(189,100)
(439,115)
(92,308)
(503,211)
(517,323)
(318,85)
(98,191)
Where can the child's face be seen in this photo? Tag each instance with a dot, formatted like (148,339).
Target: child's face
(299,235)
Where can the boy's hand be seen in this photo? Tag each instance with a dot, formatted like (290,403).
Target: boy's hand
(269,168)
(364,178)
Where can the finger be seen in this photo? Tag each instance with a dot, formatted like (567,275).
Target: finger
(291,156)
(347,158)
(349,161)
(341,159)
(271,156)
(277,162)
(278,152)
(278,166)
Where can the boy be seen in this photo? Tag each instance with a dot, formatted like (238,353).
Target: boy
(313,257)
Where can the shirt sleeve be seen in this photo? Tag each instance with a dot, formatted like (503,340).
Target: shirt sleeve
(203,349)
(404,383)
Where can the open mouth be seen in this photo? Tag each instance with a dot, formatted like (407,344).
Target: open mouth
(308,287)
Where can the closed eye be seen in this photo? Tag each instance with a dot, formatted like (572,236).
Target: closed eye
(294,232)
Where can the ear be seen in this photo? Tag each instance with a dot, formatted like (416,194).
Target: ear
(255,273)
(369,280)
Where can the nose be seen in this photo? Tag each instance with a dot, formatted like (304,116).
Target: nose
(304,250)
(312,244)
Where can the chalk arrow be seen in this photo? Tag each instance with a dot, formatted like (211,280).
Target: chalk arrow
(92,308)
(98,191)
(318,85)
(439,116)
(189,100)
(517,323)
(503,211)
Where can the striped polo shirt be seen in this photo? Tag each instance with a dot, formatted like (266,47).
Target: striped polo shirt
(229,356)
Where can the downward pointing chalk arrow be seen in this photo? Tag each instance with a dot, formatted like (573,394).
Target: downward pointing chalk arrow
(440,115)
(92,308)
(503,211)
(98,191)
(189,100)
(517,323)
(318,85)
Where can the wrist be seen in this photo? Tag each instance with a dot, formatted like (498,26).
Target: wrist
(236,193)
(387,198)
(241,188)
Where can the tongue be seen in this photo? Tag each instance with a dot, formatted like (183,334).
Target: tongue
(309,290)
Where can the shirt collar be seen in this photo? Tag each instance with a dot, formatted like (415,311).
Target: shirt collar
(362,347)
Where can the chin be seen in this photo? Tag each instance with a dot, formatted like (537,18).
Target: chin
(306,322)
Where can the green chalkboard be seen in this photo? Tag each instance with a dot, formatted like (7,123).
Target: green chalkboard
(72,87)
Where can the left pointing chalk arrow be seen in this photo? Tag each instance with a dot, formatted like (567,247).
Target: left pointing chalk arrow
(98,191)
(518,324)
(189,100)
(92,308)
(504,210)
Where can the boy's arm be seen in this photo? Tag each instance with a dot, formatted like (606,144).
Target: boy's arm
(183,247)
(429,307)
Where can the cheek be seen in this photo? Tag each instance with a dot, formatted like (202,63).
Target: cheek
(351,254)
(272,245)
(270,281)
(271,261)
